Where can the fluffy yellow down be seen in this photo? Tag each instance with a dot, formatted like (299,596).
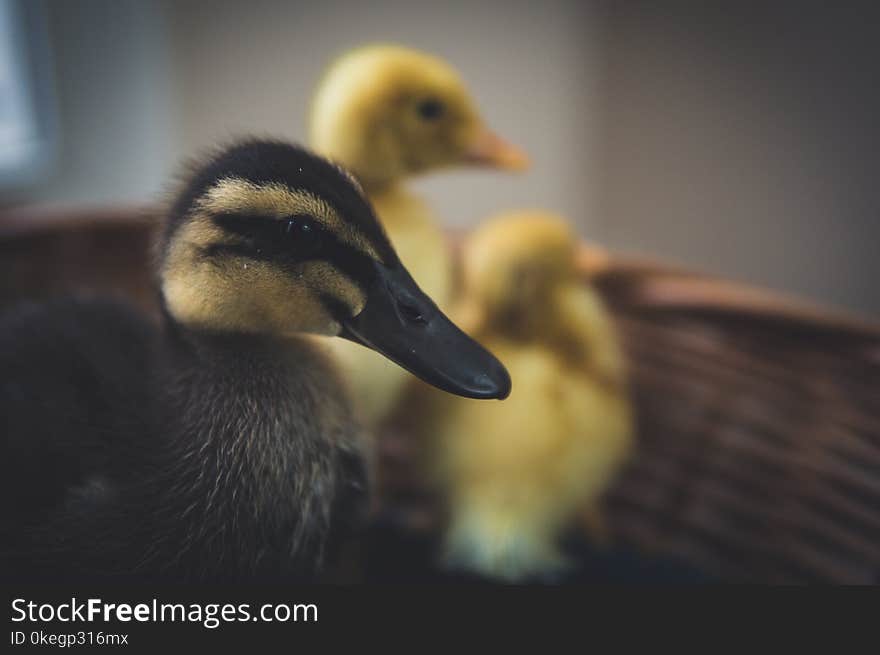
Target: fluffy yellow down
(516,473)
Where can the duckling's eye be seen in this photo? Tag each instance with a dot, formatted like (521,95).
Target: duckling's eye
(302,233)
(430,109)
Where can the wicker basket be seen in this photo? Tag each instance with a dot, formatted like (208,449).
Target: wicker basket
(759,429)
(758,418)
(50,252)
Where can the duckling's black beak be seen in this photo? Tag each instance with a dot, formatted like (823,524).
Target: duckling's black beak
(402,323)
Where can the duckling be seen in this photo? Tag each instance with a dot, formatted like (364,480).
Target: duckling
(514,475)
(387,113)
(219,446)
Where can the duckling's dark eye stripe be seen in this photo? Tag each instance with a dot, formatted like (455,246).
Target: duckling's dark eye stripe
(248,225)
(262,241)
(371,233)
(269,228)
(340,208)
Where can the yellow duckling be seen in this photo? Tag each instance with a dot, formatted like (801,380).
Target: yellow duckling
(386,113)
(515,474)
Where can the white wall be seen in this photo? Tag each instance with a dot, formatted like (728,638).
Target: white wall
(742,138)
(111,65)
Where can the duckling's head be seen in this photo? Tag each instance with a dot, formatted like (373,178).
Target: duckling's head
(266,238)
(513,265)
(386,112)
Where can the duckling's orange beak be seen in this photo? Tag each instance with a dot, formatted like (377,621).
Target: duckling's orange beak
(489,149)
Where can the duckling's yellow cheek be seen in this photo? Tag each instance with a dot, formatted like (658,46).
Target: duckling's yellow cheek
(326,281)
(241,295)
(293,307)
(426,145)
(303,300)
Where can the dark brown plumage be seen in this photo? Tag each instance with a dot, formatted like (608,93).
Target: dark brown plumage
(187,457)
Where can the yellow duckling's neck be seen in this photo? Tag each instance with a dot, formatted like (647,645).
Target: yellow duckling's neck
(374,182)
(417,236)
(395,205)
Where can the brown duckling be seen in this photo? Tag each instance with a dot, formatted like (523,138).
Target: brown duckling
(219,446)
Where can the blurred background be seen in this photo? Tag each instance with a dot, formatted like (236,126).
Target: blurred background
(701,144)
(736,138)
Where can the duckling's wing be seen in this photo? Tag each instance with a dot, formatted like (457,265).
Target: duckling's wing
(72,394)
(759,428)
